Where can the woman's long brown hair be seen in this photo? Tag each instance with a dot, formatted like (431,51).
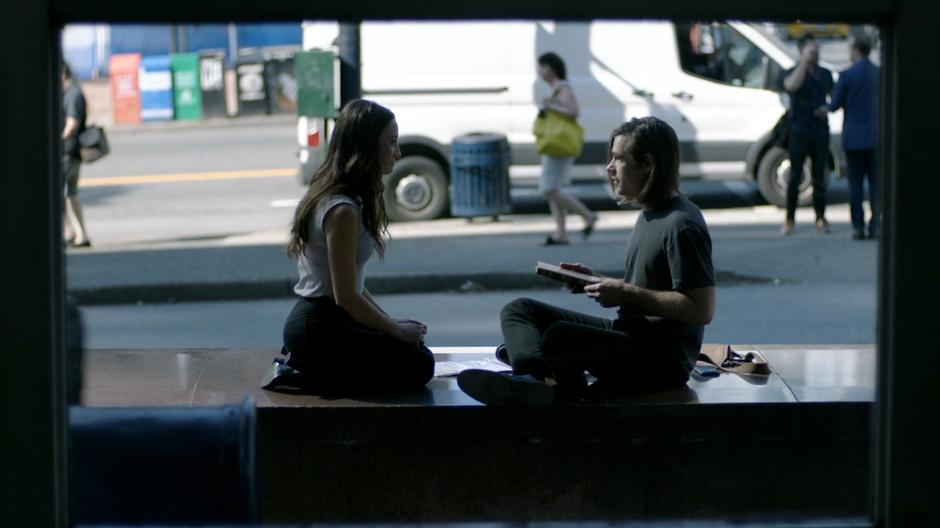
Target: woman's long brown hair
(352,168)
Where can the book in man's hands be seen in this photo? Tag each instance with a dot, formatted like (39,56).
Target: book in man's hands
(564,275)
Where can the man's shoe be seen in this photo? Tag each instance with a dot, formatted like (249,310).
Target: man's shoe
(822,225)
(502,354)
(494,388)
(787,228)
(858,234)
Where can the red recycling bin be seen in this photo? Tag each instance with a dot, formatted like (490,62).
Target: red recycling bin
(125,87)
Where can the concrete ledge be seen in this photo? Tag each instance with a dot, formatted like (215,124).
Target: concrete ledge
(794,444)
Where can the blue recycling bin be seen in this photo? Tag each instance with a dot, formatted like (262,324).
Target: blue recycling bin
(479,175)
(156,88)
(164,465)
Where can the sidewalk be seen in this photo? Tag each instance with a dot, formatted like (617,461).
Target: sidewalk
(98,96)
(457,255)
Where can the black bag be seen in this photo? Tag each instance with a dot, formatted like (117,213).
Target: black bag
(780,136)
(93,144)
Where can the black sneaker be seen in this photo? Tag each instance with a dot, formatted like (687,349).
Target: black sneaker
(281,377)
(494,388)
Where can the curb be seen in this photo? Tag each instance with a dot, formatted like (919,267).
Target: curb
(379,285)
(209,123)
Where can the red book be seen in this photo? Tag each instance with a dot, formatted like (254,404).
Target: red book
(563,275)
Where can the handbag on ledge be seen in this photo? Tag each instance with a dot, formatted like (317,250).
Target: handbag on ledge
(724,359)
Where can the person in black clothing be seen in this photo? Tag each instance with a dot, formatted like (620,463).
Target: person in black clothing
(337,338)
(665,299)
(809,86)
(73,118)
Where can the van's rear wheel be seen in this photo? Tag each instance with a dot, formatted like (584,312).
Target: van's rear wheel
(772,174)
(415,190)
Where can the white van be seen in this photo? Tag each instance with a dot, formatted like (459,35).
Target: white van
(718,84)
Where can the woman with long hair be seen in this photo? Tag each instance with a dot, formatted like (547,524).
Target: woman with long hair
(556,171)
(337,338)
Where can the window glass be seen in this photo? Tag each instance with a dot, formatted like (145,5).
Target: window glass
(718,52)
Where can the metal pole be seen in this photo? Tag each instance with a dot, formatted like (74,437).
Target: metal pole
(174,38)
(232,43)
(350,72)
(184,39)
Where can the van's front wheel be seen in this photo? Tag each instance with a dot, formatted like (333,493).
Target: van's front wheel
(415,190)
(772,174)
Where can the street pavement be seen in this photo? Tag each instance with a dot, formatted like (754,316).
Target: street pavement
(201,213)
(456,254)
(745,315)
(189,221)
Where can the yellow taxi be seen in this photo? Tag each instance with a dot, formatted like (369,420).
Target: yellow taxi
(833,30)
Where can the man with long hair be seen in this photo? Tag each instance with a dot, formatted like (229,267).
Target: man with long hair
(665,298)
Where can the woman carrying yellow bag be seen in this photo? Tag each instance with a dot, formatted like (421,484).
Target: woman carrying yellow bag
(559,139)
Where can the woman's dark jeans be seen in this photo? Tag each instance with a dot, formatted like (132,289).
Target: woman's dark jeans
(338,356)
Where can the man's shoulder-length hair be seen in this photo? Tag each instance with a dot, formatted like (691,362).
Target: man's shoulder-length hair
(653,136)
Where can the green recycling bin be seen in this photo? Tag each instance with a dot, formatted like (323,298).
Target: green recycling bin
(187,94)
(314,73)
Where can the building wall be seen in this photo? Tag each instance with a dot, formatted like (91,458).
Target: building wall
(88,47)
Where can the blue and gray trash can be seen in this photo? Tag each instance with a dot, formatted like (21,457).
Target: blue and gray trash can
(479,175)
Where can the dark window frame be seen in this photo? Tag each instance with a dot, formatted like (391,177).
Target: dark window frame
(32,410)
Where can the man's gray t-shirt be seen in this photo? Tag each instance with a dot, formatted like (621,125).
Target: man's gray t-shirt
(73,105)
(669,250)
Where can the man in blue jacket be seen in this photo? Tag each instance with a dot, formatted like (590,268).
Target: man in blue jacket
(857,94)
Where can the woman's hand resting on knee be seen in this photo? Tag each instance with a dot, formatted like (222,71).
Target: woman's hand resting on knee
(411,332)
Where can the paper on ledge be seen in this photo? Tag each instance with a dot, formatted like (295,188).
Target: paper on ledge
(452,368)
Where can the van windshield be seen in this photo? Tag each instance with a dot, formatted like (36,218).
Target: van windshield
(775,40)
(719,52)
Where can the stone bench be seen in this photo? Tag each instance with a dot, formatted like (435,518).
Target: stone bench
(794,443)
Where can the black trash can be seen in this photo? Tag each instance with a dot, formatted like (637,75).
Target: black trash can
(164,465)
(479,175)
(252,93)
(212,83)
(280,81)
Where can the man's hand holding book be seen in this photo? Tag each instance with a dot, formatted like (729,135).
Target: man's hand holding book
(575,275)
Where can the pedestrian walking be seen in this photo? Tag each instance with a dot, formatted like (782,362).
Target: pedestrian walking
(337,338)
(665,299)
(809,86)
(74,113)
(856,94)
(556,170)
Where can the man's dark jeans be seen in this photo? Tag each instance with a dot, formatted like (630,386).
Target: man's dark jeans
(547,341)
(815,145)
(862,166)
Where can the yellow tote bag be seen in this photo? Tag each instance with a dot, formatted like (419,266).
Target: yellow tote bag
(557,135)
